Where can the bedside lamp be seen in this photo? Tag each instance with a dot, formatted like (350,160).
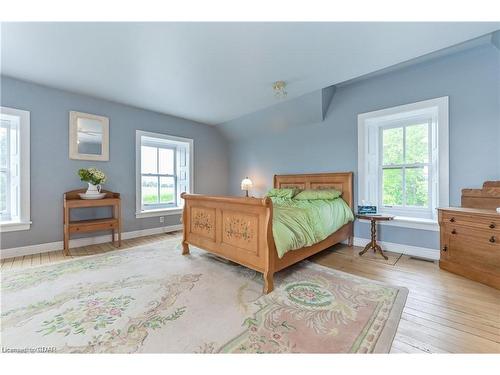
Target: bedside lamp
(246,184)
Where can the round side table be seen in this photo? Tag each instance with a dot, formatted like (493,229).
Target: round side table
(373,243)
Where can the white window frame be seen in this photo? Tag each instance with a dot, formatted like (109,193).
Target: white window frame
(140,212)
(23,221)
(369,169)
(158,146)
(408,211)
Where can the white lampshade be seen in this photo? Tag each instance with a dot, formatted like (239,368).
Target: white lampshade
(246,184)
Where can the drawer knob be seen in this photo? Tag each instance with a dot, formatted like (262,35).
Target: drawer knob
(452,220)
(492,239)
(445,248)
(492,225)
(453,231)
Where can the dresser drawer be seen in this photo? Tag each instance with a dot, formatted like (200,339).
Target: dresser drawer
(93,225)
(471,221)
(483,236)
(475,248)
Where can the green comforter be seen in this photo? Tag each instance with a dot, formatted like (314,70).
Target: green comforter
(297,224)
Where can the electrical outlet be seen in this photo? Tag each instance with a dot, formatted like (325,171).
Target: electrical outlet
(162,219)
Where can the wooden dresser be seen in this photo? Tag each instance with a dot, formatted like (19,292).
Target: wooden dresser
(470,236)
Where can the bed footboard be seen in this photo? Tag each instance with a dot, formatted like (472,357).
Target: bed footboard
(238,229)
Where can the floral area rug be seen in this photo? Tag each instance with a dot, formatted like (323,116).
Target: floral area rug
(152,299)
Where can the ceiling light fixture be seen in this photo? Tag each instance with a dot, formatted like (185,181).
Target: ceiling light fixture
(279,89)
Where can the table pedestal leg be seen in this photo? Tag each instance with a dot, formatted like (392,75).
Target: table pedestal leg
(379,249)
(367,247)
(373,243)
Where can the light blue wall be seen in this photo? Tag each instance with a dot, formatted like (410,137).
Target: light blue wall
(53,173)
(470,78)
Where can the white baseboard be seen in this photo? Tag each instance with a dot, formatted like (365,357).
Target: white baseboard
(77,242)
(416,251)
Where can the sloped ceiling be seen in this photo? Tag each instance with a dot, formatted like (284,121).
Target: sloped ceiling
(214,72)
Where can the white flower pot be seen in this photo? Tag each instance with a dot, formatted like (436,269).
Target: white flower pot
(93,189)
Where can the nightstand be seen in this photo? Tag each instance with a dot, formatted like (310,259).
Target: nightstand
(373,243)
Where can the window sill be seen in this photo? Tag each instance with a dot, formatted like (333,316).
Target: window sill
(413,223)
(159,212)
(12,226)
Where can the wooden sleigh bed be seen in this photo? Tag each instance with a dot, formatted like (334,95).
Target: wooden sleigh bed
(240,229)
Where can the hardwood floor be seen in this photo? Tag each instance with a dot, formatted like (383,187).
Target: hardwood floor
(444,313)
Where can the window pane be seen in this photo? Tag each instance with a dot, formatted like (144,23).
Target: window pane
(149,160)
(4,147)
(166,159)
(392,187)
(392,143)
(149,190)
(167,190)
(3,191)
(417,187)
(417,143)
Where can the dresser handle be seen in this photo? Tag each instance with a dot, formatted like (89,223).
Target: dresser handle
(492,239)
(452,220)
(492,225)
(445,248)
(453,231)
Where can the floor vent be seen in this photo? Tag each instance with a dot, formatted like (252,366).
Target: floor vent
(423,259)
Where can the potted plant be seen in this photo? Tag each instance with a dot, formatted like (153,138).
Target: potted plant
(94,177)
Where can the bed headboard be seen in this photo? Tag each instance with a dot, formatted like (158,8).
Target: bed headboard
(340,181)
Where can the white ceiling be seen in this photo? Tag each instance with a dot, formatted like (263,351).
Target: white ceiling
(213,72)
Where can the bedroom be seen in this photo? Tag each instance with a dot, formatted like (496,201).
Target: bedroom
(261,187)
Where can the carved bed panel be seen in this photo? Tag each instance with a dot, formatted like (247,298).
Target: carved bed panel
(301,185)
(240,230)
(203,222)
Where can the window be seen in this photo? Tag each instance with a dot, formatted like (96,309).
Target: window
(14,169)
(164,171)
(403,161)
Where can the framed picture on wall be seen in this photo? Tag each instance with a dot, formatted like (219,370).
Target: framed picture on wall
(88,137)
